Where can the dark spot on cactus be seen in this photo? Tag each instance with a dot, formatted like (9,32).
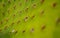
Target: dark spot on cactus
(32,30)
(14,0)
(5,27)
(3,4)
(43,27)
(58,20)
(10,32)
(23,31)
(42,12)
(32,16)
(42,1)
(15,31)
(26,9)
(9,1)
(0,30)
(12,23)
(14,7)
(18,22)
(6,19)
(34,6)
(3,14)
(26,0)
(20,3)
(1,22)
(20,12)
(14,15)
(54,4)
(25,19)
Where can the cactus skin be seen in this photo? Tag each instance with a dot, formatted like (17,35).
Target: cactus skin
(29,18)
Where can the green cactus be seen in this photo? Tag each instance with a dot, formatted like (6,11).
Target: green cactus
(29,18)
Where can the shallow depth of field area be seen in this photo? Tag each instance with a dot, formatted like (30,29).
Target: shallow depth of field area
(29,18)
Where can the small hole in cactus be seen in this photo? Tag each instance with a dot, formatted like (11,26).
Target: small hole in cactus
(1,22)
(20,3)
(54,4)
(26,0)
(58,20)
(14,7)
(0,30)
(3,14)
(20,12)
(23,31)
(41,1)
(26,9)
(12,23)
(18,22)
(16,32)
(43,27)
(9,1)
(32,16)
(8,11)
(42,12)
(34,6)
(25,19)
(32,30)
(14,0)
(3,4)
(14,15)
(6,19)
(5,27)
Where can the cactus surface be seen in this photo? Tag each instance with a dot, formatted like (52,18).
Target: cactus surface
(29,18)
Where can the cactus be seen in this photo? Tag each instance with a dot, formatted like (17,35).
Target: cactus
(29,18)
